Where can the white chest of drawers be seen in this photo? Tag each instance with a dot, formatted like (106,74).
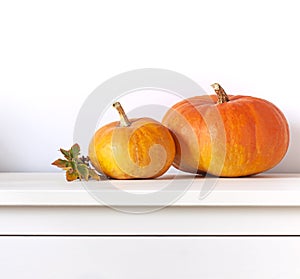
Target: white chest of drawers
(244,228)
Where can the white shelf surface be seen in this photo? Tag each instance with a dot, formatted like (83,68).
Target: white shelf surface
(51,189)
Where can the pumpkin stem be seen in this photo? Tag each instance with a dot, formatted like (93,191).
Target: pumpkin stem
(124,121)
(222,96)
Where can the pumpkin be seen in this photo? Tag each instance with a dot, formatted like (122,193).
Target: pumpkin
(227,135)
(135,148)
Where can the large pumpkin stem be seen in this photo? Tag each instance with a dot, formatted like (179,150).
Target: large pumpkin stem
(222,96)
(124,121)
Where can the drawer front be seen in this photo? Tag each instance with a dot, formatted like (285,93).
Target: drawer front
(169,221)
(149,257)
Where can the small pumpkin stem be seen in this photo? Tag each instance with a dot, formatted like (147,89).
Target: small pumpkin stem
(222,96)
(124,121)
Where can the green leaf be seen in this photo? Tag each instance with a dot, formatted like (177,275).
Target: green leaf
(73,165)
(71,175)
(83,171)
(66,153)
(94,175)
(76,168)
(75,151)
(64,164)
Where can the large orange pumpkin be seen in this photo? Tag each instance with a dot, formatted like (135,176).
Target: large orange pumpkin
(135,148)
(227,135)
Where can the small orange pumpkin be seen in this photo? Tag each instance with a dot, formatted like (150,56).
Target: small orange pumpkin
(135,148)
(227,136)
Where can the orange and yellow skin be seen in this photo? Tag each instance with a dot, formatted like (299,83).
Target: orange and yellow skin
(145,149)
(241,137)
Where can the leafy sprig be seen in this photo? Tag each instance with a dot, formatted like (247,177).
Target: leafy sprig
(76,167)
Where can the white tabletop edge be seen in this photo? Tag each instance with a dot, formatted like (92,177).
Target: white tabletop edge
(51,189)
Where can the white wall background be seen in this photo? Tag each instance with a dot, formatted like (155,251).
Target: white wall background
(53,54)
